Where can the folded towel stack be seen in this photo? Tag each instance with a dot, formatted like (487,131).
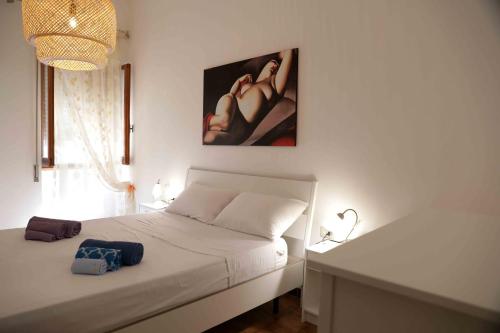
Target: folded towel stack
(89,266)
(131,252)
(49,230)
(38,235)
(112,257)
(89,257)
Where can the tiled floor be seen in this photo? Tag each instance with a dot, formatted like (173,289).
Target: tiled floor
(262,320)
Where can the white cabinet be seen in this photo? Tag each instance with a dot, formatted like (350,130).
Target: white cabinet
(312,283)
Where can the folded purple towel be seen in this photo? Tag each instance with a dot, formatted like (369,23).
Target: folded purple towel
(73,228)
(59,228)
(38,235)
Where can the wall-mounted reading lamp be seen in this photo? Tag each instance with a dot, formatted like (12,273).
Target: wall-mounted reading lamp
(328,234)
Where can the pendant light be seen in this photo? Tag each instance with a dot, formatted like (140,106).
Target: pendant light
(71,34)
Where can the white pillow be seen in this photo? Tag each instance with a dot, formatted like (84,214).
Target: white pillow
(201,202)
(260,214)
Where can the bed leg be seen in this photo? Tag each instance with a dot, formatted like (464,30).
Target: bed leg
(276,305)
(295,292)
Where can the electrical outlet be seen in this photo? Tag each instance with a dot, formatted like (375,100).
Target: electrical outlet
(323,232)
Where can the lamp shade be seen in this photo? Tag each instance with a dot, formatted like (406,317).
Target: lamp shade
(71,34)
(344,228)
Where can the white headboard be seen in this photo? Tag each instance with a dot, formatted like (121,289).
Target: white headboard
(298,235)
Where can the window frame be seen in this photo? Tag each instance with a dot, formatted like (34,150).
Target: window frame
(47,112)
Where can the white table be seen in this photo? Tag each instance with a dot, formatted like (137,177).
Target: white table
(435,271)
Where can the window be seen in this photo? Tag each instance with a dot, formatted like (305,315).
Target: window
(86,142)
(47,114)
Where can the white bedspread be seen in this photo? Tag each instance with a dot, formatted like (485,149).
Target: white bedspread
(184,260)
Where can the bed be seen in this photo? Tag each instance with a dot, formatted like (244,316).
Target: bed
(193,275)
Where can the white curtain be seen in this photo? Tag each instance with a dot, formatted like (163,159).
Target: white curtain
(88,180)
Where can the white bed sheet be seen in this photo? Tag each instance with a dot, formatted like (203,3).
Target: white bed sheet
(184,260)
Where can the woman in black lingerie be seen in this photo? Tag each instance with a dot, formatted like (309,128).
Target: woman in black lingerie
(240,110)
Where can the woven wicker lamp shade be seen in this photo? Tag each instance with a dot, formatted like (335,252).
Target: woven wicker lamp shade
(71,34)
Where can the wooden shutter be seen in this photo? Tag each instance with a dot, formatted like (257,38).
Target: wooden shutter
(47,115)
(126,113)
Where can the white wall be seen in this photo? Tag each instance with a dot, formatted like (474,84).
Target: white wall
(398,100)
(20,197)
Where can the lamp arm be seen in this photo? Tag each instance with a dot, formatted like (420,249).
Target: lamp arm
(355,223)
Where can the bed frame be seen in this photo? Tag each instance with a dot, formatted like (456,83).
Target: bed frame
(217,308)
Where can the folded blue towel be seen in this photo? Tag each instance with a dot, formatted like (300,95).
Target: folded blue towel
(131,252)
(89,266)
(113,257)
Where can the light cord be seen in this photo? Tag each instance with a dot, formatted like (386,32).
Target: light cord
(355,223)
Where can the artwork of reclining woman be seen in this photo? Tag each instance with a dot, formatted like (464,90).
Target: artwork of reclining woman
(252,102)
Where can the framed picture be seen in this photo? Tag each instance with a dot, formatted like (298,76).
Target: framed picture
(252,102)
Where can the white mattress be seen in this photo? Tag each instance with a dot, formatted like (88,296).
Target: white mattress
(184,260)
